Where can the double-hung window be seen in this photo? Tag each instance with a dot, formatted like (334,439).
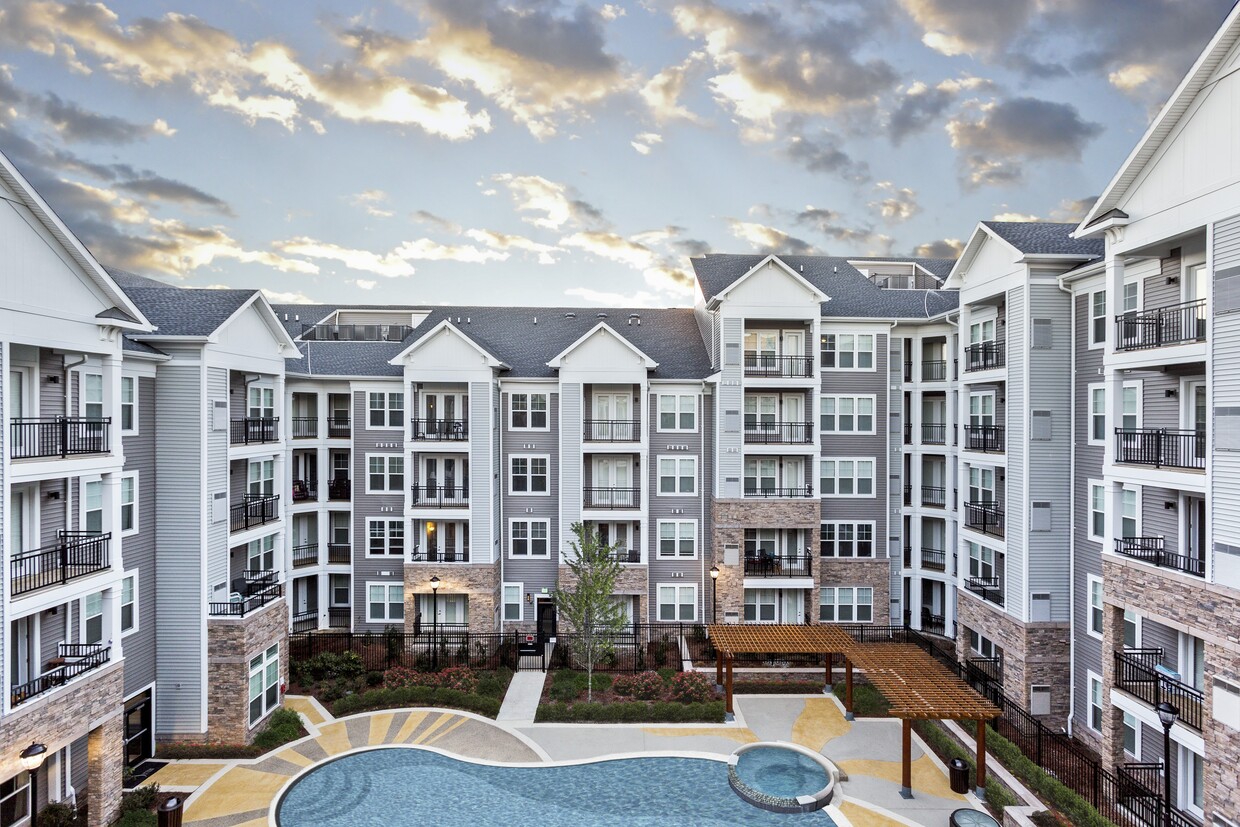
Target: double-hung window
(1095,703)
(92,395)
(1095,605)
(1097,317)
(92,506)
(385,602)
(262,403)
(386,410)
(677,412)
(847,414)
(528,411)
(677,603)
(15,799)
(92,618)
(846,540)
(847,351)
(129,603)
(847,477)
(129,504)
(677,538)
(1097,511)
(261,482)
(529,538)
(1097,415)
(385,473)
(264,683)
(529,475)
(129,404)
(677,475)
(512,601)
(846,604)
(385,538)
(261,554)
(981,562)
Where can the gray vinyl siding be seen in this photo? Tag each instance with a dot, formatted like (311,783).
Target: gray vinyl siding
(863,383)
(181,410)
(1159,521)
(218,468)
(536,574)
(679,444)
(138,550)
(51,397)
(79,771)
(1225,393)
(574,470)
(386,505)
(481,460)
(1156,291)
(238,403)
(1016,592)
(1050,389)
(53,514)
(53,631)
(731,398)
(1155,635)
(1157,409)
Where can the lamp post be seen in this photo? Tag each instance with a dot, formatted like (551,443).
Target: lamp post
(435,621)
(32,758)
(1167,715)
(714,594)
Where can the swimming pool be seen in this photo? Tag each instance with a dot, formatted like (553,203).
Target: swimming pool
(388,787)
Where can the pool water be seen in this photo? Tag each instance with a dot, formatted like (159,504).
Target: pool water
(388,787)
(780,772)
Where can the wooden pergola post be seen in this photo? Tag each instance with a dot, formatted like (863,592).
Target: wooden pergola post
(981,759)
(727,686)
(906,758)
(719,667)
(830,662)
(848,686)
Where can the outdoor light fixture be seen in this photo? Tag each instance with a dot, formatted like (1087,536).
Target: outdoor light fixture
(714,594)
(1167,716)
(32,758)
(435,622)
(434,584)
(529,599)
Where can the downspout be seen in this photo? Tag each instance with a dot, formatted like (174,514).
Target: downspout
(899,616)
(1071,513)
(68,371)
(956,469)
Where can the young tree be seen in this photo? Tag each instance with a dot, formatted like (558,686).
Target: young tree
(585,603)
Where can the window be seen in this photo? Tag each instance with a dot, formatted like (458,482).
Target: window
(981,484)
(529,411)
(339,585)
(385,537)
(1095,605)
(15,799)
(847,414)
(1132,735)
(92,618)
(129,603)
(512,601)
(129,504)
(1130,407)
(92,507)
(385,472)
(1132,629)
(261,554)
(1095,702)
(1098,317)
(262,403)
(129,404)
(982,332)
(846,604)
(385,602)
(846,540)
(677,538)
(92,395)
(387,410)
(677,603)
(677,412)
(981,562)
(529,475)
(1129,520)
(1097,511)
(847,478)
(984,646)
(264,683)
(677,475)
(529,538)
(1097,415)
(1132,297)
(1192,773)
(760,605)
(848,351)
(262,478)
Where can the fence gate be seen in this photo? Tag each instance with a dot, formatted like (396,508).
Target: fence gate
(531,652)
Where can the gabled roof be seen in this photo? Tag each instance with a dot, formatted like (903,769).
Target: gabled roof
(851,295)
(1181,99)
(814,291)
(558,360)
(491,359)
(1045,238)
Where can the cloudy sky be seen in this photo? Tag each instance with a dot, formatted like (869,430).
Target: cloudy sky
(547,152)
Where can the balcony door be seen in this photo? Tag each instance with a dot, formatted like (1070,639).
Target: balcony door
(261,403)
(793,410)
(1193,661)
(22,656)
(1194,543)
(616,534)
(981,484)
(982,410)
(261,481)
(794,343)
(449,472)
(612,413)
(614,473)
(794,473)
(448,407)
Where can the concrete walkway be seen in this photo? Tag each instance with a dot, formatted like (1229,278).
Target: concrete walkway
(521,700)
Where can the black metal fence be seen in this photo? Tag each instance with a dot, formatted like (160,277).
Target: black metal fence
(440,496)
(1151,550)
(985,438)
(75,554)
(254,509)
(762,364)
(74,659)
(779,565)
(254,429)
(592,497)
(779,433)
(429,648)
(612,430)
(304,427)
(985,356)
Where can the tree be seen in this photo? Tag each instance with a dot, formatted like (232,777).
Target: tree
(585,603)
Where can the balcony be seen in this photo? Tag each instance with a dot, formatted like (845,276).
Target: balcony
(988,588)
(985,438)
(611,497)
(440,496)
(1138,673)
(987,669)
(254,510)
(934,559)
(932,623)
(779,433)
(985,356)
(305,621)
(1171,325)
(59,436)
(441,430)
(985,516)
(305,555)
(779,565)
(72,660)
(75,554)
(934,433)
(934,370)
(438,555)
(339,617)
(779,367)
(305,427)
(1161,448)
(933,496)
(794,492)
(627,555)
(612,430)
(305,491)
(248,595)
(254,430)
(355,332)
(340,489)
(338,428)
(1150,550)
(339,553)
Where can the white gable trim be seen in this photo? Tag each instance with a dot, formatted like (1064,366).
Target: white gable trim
(981,234)
(647,362)
(269,318)
(446,324)
(814,291)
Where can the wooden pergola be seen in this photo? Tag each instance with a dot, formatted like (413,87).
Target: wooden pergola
(917,686)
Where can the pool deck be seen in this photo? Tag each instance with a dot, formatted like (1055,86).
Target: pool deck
(239,793)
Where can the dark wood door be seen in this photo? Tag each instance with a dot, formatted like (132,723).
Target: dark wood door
(546,620)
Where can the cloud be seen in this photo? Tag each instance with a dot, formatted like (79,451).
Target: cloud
(547,204)
(995,138)
(895,204)
(370,201)
(158,188)
(644,141)
(365,284)
(766,239)
(969,27)
(831,224)
(825,153)
(642,298)
(1015,216)
(1072,210)
(611,246)
(662,92)
(77,124)
(920,105)
(650,253)
(943,248)
(389,265)
(289,297)
(503,241)
(424,249)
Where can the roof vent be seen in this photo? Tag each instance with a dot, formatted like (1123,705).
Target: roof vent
(297,318)
(570,315)
(600,316)
(467,321)
(835,269)
(535,320)
(286,317)
(802,268)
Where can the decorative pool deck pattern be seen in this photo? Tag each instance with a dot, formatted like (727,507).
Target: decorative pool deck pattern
(240,793)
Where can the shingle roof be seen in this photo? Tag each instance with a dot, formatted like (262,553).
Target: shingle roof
(851,294)
(1046,238)
(140,347)
(180,311)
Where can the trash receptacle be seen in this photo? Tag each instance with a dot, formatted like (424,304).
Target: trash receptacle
(958,775)
(170,812)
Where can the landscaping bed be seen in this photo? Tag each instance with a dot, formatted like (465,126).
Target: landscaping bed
(665,696)
(283,727)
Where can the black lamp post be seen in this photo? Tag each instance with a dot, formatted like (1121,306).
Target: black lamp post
(32,758)
(714,594)
(1167,715)
(435,621)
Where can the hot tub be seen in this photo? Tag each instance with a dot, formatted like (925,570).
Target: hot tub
(782,777)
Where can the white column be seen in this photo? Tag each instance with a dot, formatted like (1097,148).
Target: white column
(1114,380)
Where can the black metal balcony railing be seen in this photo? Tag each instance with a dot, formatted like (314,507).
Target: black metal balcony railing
(592,497)
(340,489)
(306,621)
(627,555)
(934,559)
(1150,550)
(1139,781)
(780,493)
(305,490)
(338,617)
(933,370)
(441,430)
(934,433)
(72,659)
(254,509)
(305,427)
(934,496)
(1137,675)
(908,557)
(440,496)
(339,553)
(355,332)
(75,554)
(792,367)
(990,588)
(779,565)
(305,555)
(1161,448)
(985,438)
(989,669)
(418,554)
(1170,325)
(58,436)
(932,623)
(254,429)
(338,428)
(243,604)
(985,516)
(908,434)
(779,433)
(908,371)
(612,430)
(985,356)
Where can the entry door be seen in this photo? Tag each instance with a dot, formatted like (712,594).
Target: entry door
(792,605)
(794,343)
(546,620)
(1195,529)
(1195,414)
(138,730)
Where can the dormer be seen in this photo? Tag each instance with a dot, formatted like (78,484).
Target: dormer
(360,325)
(898,275)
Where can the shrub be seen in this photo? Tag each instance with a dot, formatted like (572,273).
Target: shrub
(374,678)
(601,681)
(494,685)
(416,696)
(566,690)
(143,798)
(136,818)
(997,796)
(61,815)
(868,702)
(460,678)
(692,687)
(329,666)
(631,712)
(667,673)
(283,726)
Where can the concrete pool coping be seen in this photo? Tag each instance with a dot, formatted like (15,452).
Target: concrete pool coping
(805,803)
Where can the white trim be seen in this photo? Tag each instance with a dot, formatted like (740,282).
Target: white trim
(1089,308)
(530,538)
(444,327)
(676,476)
(815,293)
(1090,678)
(659,604)
(1090,485)
(1089,415)
(387,410)
(855,477)
(137,602)
(546,411)
(387,538)
(835,332)
(529,475)
(658,540)
(387,473)
(504,604)
(387,585)
(835,603)
(137,498)
(836,397)
(557,361)
(873,555)
(134,404)
(1090,581)
(1135,752)
(679,397)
